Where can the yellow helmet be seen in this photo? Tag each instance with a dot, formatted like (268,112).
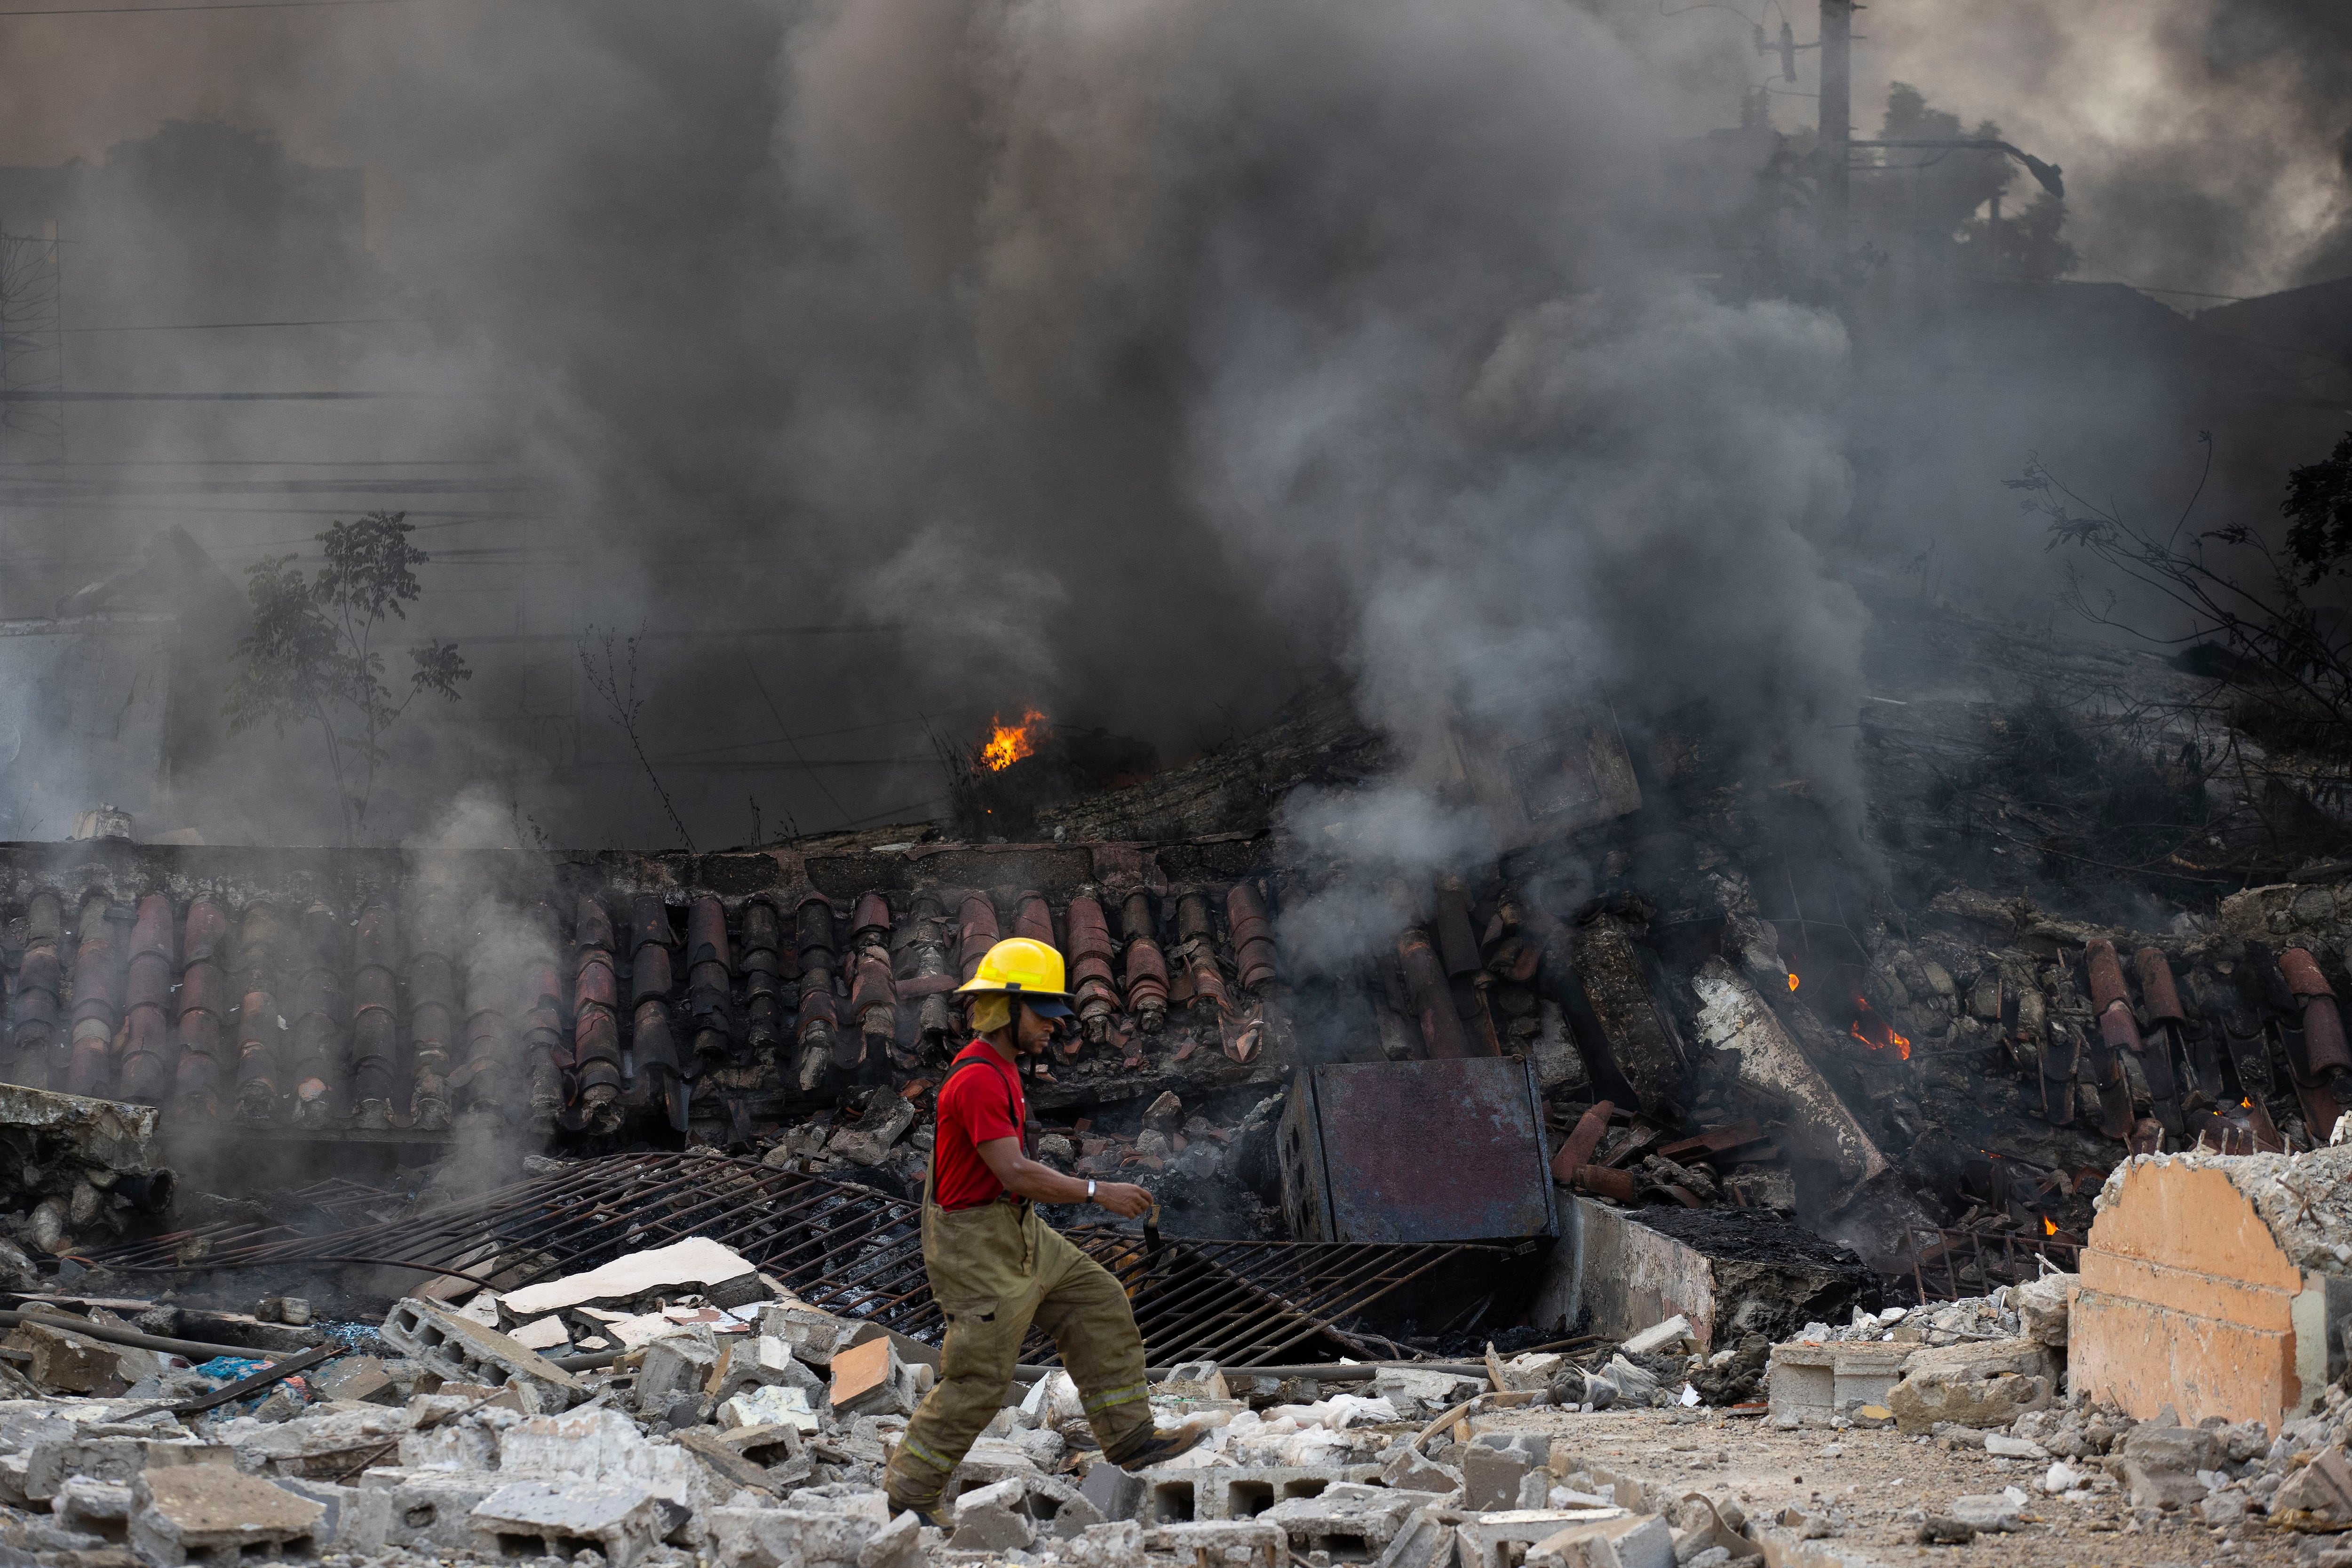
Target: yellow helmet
(1024,967)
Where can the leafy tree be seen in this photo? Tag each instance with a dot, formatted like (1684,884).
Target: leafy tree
(312,656)
(2318,510)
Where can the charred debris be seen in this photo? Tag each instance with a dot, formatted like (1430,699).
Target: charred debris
(1674,994)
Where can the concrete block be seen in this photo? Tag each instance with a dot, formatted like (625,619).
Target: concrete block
(459,1349)
(1172,1494)
(746,1363)
(994,1519)
(457,1445)
(813,1336)
(1425,1540)
(899,1544)
(1421,1396)
(1495,1540)
(429,1511)
(871,1380)
(2160,1465)
(1350,1521)
(92,1506)
(204,1511)
(118,1460)
(2317,1496)
(1116,1544)
(65,1362)
(542,1519)
(673,1368)
(1923,1400)
(1494,1465)
(1810,1384)
(358,1378)
(1409,1469)
(605,1446)
(796,1537)
(1115,1494)
(357,1519)
(1675,1332)
(1633,1540)
(1222,1541)
(775,1405)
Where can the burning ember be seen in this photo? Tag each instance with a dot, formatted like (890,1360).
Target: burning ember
(1875,1032)
(2048,1226)
(1008,743)
(1793,980)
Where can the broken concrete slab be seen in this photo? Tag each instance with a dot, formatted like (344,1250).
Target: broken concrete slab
(1492,1540)
(801,1537)
(1245,1544)
(1115,1494)
(462,1351)
(672,1369)
(535,1518)
(430,1510)
(697,1260)
(994,1519)
(204,1510)
(357,1379)
(118,1460)
(1984,1385)
(2317,1496)
(93,1506)
(1629,1540)
(2161,1463)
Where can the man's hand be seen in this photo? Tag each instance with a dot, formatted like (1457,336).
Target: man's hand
(1123,1198)
(1042,1183)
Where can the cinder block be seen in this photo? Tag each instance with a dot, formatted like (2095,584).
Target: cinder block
(1809,1385)
(1173,1494)
(813,1336)
(459,1349)
(205,1512)
(429,1511)
(357,1519)
(548,1519)
(1350,1521)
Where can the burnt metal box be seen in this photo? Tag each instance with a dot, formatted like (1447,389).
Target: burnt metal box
(1446,1150)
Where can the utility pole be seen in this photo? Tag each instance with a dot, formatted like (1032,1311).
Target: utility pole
(1836,135)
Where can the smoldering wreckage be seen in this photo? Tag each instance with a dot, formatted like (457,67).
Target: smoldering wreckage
(378,1206)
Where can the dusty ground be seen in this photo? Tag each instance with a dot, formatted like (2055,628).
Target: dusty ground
(1874,1478)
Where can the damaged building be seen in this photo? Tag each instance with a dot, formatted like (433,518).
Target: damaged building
(491,1203)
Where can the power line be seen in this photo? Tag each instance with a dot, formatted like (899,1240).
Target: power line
(239,326)
(203,6)
(41,396)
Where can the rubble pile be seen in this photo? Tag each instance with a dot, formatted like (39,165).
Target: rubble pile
(753,1433)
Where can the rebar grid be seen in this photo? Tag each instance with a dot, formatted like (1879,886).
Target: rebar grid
(848,1249)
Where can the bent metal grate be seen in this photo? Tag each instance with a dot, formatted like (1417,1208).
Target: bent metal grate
(850,1249)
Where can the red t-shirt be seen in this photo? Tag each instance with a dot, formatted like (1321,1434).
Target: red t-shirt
(977,1105)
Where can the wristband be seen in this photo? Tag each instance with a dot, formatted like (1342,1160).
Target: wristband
(1090,1190)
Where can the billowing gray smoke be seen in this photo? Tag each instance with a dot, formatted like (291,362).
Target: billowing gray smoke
(1143,361)
(2206,142)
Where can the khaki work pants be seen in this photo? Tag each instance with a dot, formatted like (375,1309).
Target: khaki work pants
(994,1270)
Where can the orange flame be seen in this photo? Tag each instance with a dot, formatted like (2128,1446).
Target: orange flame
(2048,1226)
(1793,980)
(1008,743)
(1875,1032)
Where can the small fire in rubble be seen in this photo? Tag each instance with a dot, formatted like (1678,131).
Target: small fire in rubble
(2048,1226)
(1875,1032)
(1008,743)
(1793,980)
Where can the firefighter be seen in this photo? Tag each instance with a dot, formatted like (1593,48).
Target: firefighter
(995,1268)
